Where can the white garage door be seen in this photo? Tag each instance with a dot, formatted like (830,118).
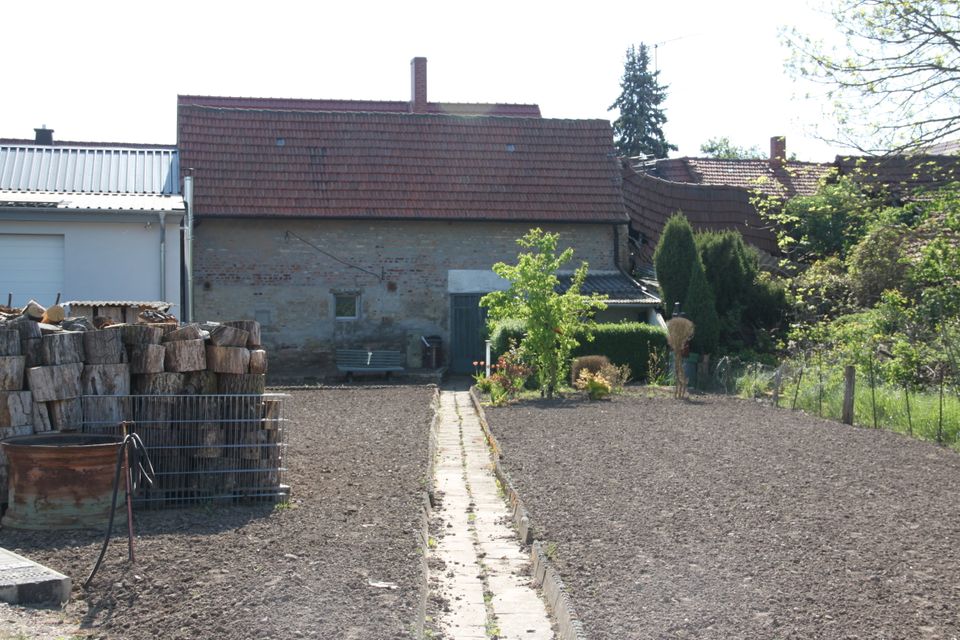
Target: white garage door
(31,266)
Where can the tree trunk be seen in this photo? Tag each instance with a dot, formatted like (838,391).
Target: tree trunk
(16,408)
(25,326)
(258,361)
(147,358)
(103,347)
(106,411)
(235,360)
(53,315)
(227,336)
(55,383)
(141,334)
(11,372)
(61,348)
(30,348)
(186,332)
(242,383)
(158,384)
(34,310)
(66,415)
(41,417)
(9,342)
(252,327)
(200,382)
(105,380)
(185,355)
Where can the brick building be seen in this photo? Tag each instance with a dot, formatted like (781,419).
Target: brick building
(342,224)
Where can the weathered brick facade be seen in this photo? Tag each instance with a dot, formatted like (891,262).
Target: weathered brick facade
(400,269)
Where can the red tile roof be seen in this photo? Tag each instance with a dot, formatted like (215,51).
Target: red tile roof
(650,201)
(327,164)
(375,106)
(788,180)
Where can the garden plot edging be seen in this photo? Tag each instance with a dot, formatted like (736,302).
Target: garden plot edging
(564,613)
(424,532)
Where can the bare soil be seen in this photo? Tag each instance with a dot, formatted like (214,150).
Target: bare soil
(344,560)
(721,518)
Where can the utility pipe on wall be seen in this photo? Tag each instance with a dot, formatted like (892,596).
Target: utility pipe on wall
(163,256)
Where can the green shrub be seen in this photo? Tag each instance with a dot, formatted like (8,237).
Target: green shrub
(626,343)
(503,333)
(593,364)
(596,386)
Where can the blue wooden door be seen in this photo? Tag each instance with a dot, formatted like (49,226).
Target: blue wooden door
(467,319)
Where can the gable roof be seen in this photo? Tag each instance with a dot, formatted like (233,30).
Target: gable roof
(781,179)
(901,175)
(296,162)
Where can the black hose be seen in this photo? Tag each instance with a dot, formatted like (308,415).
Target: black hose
(137,454)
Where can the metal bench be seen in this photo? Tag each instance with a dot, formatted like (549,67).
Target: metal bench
(350,361)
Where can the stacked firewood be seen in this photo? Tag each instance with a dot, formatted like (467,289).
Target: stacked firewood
(49,362)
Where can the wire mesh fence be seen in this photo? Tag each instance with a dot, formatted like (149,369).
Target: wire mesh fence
(816,384)
(203,447)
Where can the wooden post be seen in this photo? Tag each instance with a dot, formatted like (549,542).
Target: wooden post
(777,378)
(849,387)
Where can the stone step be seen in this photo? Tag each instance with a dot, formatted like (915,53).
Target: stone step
(23,581)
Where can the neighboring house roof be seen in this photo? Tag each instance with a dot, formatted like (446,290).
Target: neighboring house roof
(89,169)
(162,306)
(615,287)
(946,148)
(901,173)
(650,201)
(89,177)
(290,162)
(355,106)
(772,178)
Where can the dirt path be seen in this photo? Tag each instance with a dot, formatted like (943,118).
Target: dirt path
(720,518)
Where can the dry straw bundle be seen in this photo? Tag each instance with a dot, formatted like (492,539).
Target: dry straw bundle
(679,333)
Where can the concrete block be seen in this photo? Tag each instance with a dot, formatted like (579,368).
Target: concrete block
(23,581)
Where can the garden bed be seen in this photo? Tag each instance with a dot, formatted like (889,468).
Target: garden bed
(343,560)
(719,518)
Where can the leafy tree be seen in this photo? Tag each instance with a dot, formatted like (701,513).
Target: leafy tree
(673,260)
(876,263)
(723,149)
(552,319)
(896,83)
(639,128)
(701,308)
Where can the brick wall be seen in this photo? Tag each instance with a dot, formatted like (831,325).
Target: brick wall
(256,269)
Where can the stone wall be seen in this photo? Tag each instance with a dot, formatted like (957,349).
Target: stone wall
(266,270)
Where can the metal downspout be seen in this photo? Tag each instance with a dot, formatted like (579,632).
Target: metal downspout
(188,248)
(163,257)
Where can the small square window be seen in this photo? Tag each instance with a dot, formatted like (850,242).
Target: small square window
(346,306)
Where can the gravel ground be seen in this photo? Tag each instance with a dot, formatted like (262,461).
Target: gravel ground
(721,518)
(357,465)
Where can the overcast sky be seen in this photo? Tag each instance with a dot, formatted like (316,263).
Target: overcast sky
(111,71)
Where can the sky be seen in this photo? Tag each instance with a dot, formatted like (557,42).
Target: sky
(111,71)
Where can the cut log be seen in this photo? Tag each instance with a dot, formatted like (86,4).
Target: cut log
(200,382)
(41,417)
(105,380)
(242,383)
(9,342)
(106,411)
(185,355)
(186,332)
(11,372)
(55,383)
(48,329)
(34,310)
(147,358)
(78,323)
(103,347)
(252,327)
(164,327)
(228,359)
(53,315)
(65,415)
(158,384)
(141,334)
(16,408)
(226,336)
(30,349)
(258,361)
(27,328)
(62,348)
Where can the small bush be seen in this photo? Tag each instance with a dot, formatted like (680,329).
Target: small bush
(618,377)
(504,332)
(594,384)
(593,364)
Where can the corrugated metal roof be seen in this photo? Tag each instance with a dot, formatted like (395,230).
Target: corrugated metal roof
(162,306)
(616,288)
(77,169)
(91,201)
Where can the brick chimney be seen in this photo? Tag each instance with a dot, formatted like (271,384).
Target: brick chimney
(44,135)
(418,85)
(778,151)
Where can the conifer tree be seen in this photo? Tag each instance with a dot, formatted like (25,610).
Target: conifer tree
(673,260)
(639,129)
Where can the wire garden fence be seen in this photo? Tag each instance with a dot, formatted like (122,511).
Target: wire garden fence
(203,447)
(819,385)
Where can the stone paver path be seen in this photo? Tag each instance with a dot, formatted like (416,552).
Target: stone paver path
(486,577)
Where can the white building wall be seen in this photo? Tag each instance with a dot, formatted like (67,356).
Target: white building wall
(112,260)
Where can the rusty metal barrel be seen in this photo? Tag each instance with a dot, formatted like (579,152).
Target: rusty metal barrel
(60,480)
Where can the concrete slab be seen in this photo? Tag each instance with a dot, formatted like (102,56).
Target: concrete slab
(23,581)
